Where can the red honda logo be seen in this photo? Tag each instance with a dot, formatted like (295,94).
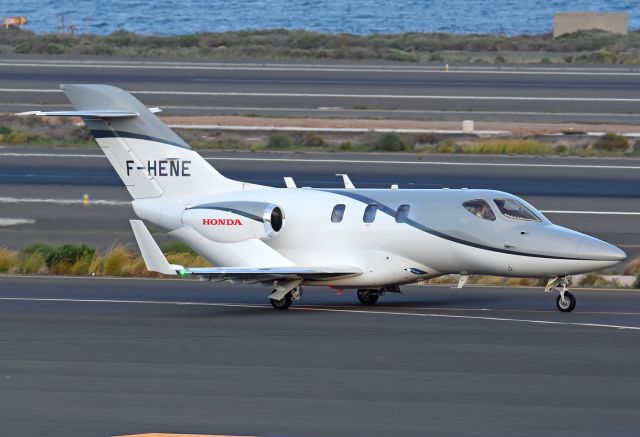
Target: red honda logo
(221,222)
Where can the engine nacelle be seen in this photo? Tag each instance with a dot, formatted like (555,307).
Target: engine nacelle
(232,222)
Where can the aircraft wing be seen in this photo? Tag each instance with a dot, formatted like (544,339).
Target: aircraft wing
(157,262)
(272,273)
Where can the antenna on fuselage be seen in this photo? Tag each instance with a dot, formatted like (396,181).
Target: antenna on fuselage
(289,182)
(347,182)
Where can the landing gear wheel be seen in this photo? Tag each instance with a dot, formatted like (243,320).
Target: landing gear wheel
(567,304)
(368,297)
(282,304)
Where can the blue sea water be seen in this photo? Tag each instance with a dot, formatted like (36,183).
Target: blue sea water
(170,17)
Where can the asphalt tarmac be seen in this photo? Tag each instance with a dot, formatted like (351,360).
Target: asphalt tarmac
(334,89)
(99,357)
(45,188)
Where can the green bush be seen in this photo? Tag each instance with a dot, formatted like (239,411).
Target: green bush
(560,149)
(611,142)
(280,140)
(313,139)
(68,254)
(42,248)
(391,142)
(4,130)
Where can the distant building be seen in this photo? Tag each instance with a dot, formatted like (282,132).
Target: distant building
(569,22)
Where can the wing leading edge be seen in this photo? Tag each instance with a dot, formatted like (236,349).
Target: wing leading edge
(156,262)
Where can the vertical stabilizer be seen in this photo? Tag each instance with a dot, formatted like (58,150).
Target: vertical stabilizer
(150,158)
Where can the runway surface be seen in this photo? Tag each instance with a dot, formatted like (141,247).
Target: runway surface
(99,357)
(337,89)
(45,187)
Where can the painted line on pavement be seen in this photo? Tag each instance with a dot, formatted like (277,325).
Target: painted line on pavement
(7,221)
(320,68)
(311,158)
(359,96)
(329,310)
(64,201)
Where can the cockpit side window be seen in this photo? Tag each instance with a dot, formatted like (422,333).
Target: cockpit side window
(480,208)
(513,209)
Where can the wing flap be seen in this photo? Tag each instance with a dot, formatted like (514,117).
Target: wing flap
(266,273)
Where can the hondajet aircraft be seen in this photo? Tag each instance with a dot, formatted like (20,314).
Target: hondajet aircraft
(370,240)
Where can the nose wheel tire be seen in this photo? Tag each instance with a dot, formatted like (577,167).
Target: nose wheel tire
(567,304)
(368,297)
(282,304)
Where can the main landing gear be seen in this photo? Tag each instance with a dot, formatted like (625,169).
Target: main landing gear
(566,302)
(284,294)
(368,296)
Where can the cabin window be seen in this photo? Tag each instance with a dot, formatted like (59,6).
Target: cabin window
(402,214)
(513,209)
(480,208)
(370,213)
(338,213)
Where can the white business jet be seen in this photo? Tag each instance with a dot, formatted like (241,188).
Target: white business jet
(370,240)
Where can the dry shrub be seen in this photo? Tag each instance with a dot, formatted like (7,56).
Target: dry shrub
(633,268)
(596,280)
(31,263)
(521,282)
(117,261)
(187,259)
(8,259)
(514,146)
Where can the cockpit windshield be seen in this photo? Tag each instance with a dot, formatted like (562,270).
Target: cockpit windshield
(480,208)
(513,209)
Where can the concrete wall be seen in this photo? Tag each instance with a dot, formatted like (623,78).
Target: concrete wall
(569,22)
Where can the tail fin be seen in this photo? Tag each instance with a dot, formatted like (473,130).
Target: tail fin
(150,158)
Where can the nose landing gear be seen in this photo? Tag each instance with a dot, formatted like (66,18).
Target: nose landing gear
(566,301)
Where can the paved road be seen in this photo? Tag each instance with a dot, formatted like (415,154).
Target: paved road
(100,357)
(47,186)
(329,89)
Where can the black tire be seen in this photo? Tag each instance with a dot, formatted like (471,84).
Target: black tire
(368,297)
(569,303)
(283,303)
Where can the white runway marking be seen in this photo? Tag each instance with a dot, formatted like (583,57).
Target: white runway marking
(63,201)
(323,68)
(6,221)
(359,96)
(350,161)
(330,310)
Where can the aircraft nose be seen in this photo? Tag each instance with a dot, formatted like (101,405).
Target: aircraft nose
(597,250)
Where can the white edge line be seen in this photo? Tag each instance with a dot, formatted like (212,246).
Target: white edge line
(333,310)
(361,96)
(346,69)
(351,161)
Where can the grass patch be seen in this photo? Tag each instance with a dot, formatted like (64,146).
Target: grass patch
(509,146)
